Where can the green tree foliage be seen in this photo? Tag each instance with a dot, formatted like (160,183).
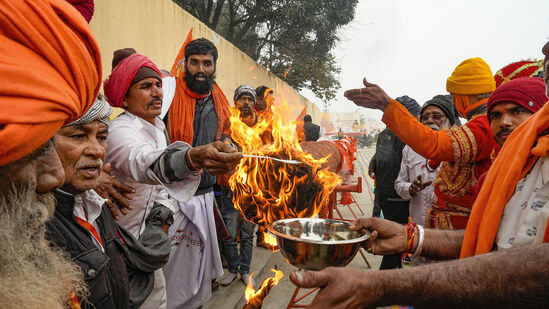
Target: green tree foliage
(293,36)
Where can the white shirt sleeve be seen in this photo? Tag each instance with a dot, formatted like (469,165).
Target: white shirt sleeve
(132,151)
(168,87)
(402,183)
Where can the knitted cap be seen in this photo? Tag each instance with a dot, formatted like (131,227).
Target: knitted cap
(519,69)
(120,55)
(444,102)
(410,104)
(245,90)
(528,92)
(472,76)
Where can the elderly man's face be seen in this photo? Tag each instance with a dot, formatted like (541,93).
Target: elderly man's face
(546,67)
(41,168)
(434,118)
(144,99)
(505,117)
(82,150)
(245,104)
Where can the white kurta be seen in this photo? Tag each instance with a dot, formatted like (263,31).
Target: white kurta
(525,216)
(194,259)
(134,145)
(411,166)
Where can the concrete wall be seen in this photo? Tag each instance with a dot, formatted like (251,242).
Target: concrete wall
(157,29)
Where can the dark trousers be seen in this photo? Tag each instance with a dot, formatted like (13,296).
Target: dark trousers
(397,211)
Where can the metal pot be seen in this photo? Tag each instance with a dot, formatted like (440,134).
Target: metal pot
(313,243)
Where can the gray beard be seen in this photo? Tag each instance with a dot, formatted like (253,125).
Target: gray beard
(32,274)
(445,125)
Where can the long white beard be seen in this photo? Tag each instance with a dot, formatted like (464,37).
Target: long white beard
(32,275)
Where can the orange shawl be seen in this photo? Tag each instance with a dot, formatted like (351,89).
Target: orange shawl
(181,114)
(518,155)
(51,72)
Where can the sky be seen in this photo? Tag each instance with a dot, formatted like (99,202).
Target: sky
(411,46)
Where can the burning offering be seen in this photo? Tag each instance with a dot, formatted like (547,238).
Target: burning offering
(267,190)
(254,299)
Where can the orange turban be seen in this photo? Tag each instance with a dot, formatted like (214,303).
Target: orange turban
(472,76)
(51,72)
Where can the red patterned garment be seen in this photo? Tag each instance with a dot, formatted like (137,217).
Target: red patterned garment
(465,155)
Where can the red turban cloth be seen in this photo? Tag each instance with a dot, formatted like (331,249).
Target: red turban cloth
(51,71)
(122,76)
(85,7)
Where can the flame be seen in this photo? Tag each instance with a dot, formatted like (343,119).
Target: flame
(270,240)
(265,190)
(255,298)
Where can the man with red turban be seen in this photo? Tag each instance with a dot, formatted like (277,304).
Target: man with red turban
(463,150)
(519,69)
(162,174)
(51,69)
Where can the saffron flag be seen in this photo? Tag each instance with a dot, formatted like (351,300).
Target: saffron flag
(177,66)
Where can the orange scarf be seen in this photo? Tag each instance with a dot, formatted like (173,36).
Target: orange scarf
(517,157)
(181,114)
(463,106)
(251,119)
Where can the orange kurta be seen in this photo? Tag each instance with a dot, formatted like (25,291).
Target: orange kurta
(465,153)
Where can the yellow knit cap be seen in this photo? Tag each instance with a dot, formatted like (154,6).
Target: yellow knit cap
(472,76)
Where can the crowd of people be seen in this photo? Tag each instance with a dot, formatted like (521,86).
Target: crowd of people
(478,196)
(127,212)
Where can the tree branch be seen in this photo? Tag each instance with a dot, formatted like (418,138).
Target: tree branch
(217,13)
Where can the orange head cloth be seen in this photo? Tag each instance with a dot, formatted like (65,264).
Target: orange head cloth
(472,76)
(518,155)
(51,72)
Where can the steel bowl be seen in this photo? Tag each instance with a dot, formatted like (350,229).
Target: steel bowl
(313,244)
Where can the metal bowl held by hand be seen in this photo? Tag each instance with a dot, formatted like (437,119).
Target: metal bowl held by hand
(314,244)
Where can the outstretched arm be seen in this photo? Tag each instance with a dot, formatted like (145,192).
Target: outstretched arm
(430,144)
(389,237)
(514,278)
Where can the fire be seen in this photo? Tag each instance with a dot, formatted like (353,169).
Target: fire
(265,190)
(270,240)
(254,299)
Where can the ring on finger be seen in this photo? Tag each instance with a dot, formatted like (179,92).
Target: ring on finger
(107,200)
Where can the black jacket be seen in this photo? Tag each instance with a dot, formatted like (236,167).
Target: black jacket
(105,273)
(312,131)
(386,163)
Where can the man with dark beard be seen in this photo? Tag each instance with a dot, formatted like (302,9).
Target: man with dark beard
(51,71)
(198,115)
